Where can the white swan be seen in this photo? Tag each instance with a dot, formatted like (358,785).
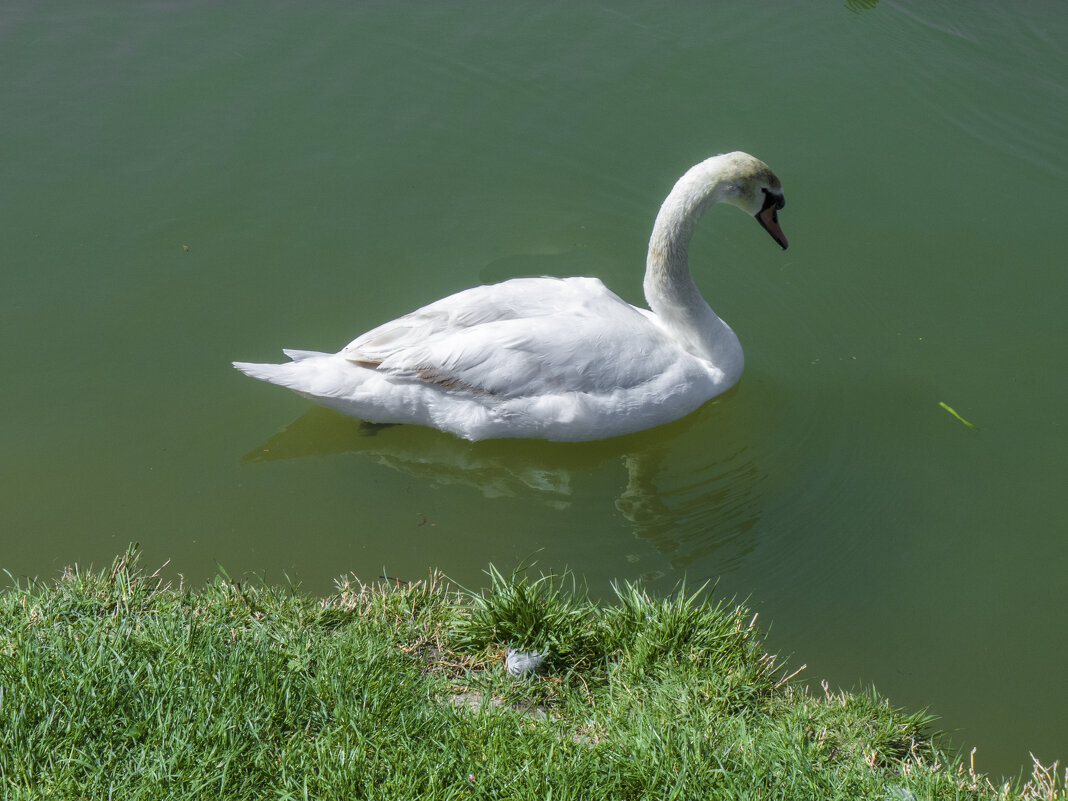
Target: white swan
(553,358)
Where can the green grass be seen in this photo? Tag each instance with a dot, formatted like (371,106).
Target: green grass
(114,684)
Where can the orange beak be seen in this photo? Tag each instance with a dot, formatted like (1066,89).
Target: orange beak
(768,217)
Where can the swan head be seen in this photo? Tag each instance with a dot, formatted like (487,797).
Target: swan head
(748,183)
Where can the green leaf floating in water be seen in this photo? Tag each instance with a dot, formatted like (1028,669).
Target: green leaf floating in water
(954,413)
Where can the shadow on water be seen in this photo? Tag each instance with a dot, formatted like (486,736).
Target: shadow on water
(685,499)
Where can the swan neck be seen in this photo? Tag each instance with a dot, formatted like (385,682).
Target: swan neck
(669,286)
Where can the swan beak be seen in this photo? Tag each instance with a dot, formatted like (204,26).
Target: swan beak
(768,217)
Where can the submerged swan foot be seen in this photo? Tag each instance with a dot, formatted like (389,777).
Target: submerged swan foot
(369,429)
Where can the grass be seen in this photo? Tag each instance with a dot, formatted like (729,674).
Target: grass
(114,684)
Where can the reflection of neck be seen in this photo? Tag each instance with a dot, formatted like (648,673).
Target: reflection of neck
(669,287)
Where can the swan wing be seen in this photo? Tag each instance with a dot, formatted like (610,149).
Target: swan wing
(515,299)
(520,338)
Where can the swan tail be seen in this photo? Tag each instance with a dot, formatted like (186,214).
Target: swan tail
(330,381)
(280,374)
(313,375)
(288,374)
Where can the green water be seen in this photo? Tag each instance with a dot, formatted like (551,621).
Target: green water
(186,184)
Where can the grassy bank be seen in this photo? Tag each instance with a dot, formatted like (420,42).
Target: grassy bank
(114,684)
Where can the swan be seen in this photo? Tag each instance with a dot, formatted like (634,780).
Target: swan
(553,358)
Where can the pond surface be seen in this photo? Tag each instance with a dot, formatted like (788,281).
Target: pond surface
(183,185)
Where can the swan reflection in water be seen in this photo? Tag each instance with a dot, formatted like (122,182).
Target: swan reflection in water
(686,501)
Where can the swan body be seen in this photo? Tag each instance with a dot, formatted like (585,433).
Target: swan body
(553,358)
